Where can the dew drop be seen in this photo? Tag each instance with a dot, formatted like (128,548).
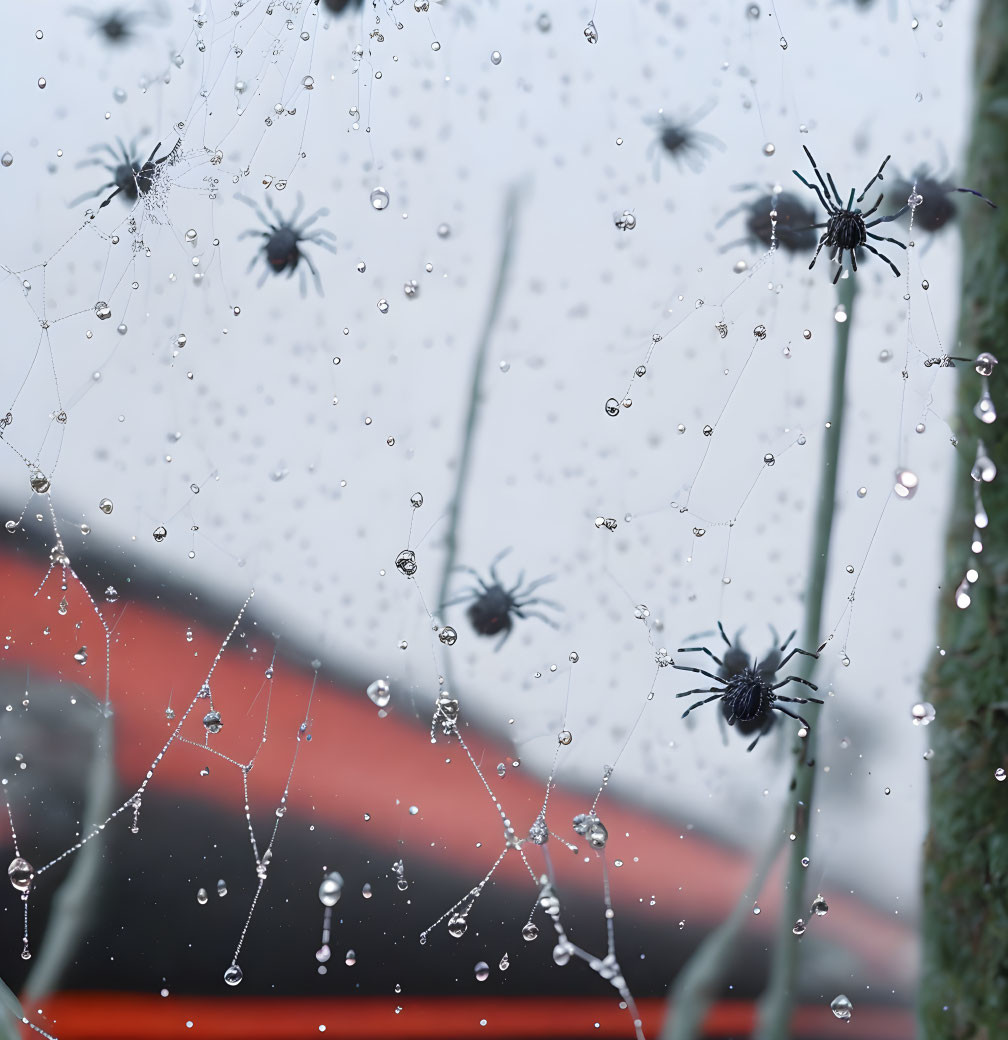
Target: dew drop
(331,888)
(380,692)
(379,198)
(482,971)
(841,1007)
(233,975)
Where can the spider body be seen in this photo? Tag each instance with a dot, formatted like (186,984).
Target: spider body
(936,209)
(748,689)
(685,145)
(132,177)
(283,240)
(339,6)
(794,232)
(493,606)
(117,26)
(847,227)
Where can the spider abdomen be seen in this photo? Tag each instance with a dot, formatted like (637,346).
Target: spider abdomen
(747,697)
(491,613)
(282,249)
(846,230)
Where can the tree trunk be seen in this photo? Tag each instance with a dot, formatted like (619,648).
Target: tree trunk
(964,984)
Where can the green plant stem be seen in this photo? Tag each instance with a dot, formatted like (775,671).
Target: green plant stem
(695,987)
(778,1000)
(475,394)
(964,984)
(74,901)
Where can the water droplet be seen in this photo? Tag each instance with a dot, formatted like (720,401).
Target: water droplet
(457,926)
(799,927)
(233,975)
(221,888)
(906,483)
(561,953)
(753,12)
(351,958)
(999,774)
(984,409)
(984,364)
(379,198)
(495,57)
(591,33)
(612,406)
(444,230)
(768,459)
(81,656)
(530,932)
(841,1007)
(565,737)
(923,714)
(331,888)
(105,505)
(380,692)
(7,159)
(160,533)
(20,874)
(212,721)
(383,306)
(201,896)
(482,971)
(39,482)
(861,492)
(323,953)
(769,148)
(504,963)
(406,562)
(448,635)
(820,907)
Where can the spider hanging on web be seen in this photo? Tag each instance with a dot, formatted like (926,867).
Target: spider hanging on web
(117,25)
(132,177)
(492,607)
(747,691)
(795,231)
(339,6)
(936,208)
(283,246)
(680,141)
(847,228)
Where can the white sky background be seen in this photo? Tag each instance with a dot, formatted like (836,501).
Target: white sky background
(449,132)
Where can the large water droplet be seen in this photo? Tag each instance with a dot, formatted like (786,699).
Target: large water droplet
(379,198)
(380,692)
(20,874)
(331,888)
(923,714)
(482,971)
(841,1007)
(233,975)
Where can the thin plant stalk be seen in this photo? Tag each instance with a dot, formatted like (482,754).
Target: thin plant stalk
(778,1000)
(74,902)
(475,394)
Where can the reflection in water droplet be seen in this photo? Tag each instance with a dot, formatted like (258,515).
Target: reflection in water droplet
(233,975)
(331,888)
(841,1007)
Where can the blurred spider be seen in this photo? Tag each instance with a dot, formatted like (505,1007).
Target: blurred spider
(339,6)
(117,25)
(846,229)
(680,141)
(795,231)
(282,248)
(492,607)
(747,691)
(937,208)
(131,177)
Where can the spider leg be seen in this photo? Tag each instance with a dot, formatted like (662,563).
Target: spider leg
(839,270)
(872,210)
(522,613)
(970,191)
(836,194)
(157,148)
(723,728)
(762,732)
(723,636)
(304,283)
(892,216)
(731,213)
(315,274)
(110,198)
(90,194)
(465,597)
(532,586)
(503,639)
(804,722)
(881,238)
(853,259)
(822,242)
(882,256)
(293,218)
(709,689)
(706,700)
(263,276)
(323,212)
(819,178)
(878,177)
(700,650)
(800,700)
(794,678)
(257,209)
(96,160)
(699,671)
(321,238)
(497,559)
(786,642)
(538,601)
(828,206)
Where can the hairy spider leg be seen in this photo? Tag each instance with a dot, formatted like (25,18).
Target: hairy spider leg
(319,238)
(878,177)
(531,587)
(493,565)
(702,689)
(699,671)
(537,601)
(804,722)
(798,650)
(794,678)
(799,700)
(970,191)
(869,212)
(786,642)
(819,177)
(257,209)
(723,636)
(91,194)
(822,242)
(892,216)
(522,612)
(255,233)
(706,700)
(292,220)
(883,238)
(464,597)
(827,205)
(881,256)
(700,650)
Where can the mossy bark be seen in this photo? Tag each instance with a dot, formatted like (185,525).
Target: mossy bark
(964,984)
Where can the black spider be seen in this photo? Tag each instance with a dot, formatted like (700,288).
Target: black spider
(846,229)
(283,246)
(681,141)
(795,231)
(117,25)
(936,208)
(131,177)
(339,6)
(747,691)
(492,607)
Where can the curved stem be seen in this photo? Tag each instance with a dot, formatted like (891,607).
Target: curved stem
(778,1000)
